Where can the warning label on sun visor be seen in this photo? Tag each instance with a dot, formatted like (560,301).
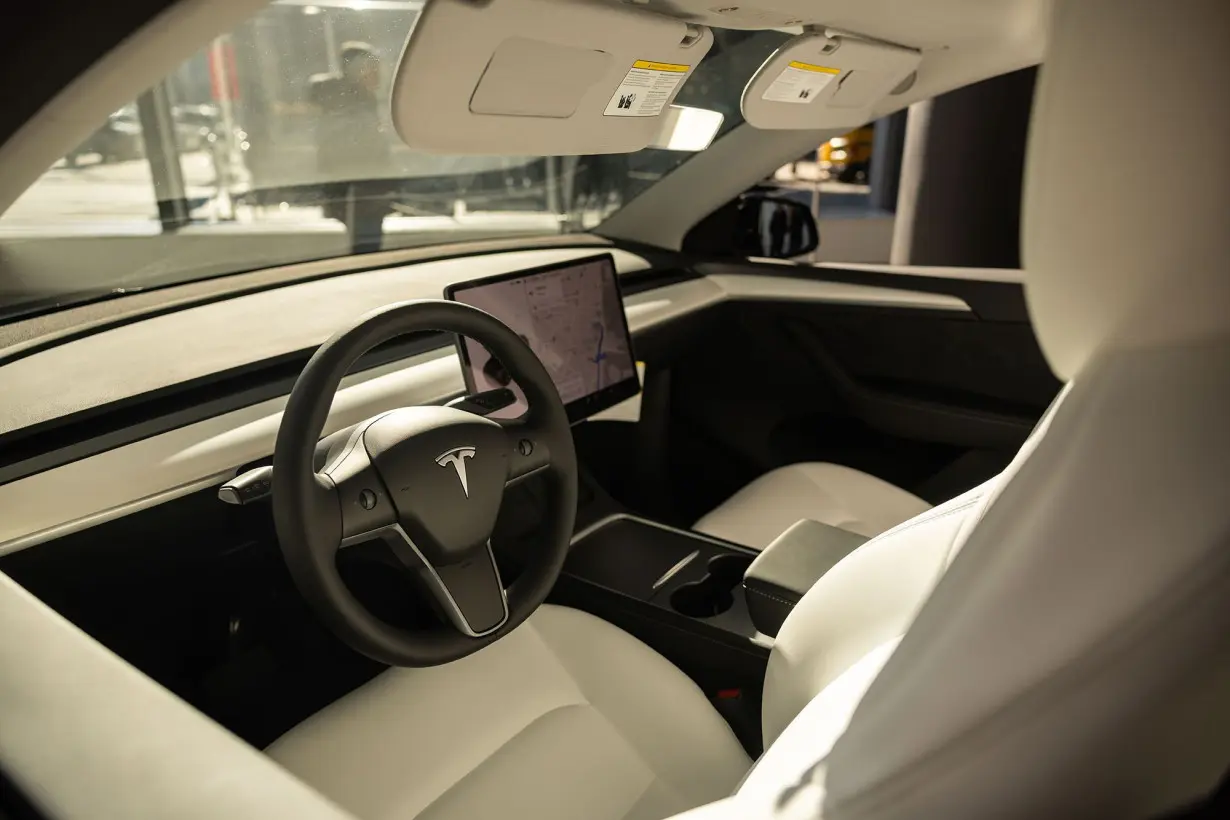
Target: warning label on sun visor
(800,83)
(646,89)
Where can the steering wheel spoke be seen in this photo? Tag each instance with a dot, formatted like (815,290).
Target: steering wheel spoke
(469,593)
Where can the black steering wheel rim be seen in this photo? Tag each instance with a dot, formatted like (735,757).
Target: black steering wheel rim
(314,513)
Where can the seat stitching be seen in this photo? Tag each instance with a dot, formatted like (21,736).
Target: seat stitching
(918,522)
(645,791)
(654,778)
(949,554)
(584,701)
(770,596)
(511,738)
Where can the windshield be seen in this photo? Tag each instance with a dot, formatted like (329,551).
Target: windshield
(273,145)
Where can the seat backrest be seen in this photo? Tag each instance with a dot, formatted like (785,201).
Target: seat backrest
(1075,658)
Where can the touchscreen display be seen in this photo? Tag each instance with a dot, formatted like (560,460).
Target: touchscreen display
(572,317)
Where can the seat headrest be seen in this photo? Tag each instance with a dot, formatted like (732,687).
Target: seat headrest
(1126,218)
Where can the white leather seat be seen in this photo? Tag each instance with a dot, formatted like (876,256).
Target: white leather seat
(829,493)
(568,717)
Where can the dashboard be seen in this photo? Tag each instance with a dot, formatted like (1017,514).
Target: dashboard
(145,459)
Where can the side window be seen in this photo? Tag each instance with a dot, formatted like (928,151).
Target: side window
(260,125)
(966,167)
(938,184)
(856,171)
(834,203)
(103,178)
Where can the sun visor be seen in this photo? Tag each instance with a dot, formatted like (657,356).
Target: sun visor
(540,77)
(822,81)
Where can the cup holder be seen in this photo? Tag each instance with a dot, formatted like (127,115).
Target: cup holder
(713,594)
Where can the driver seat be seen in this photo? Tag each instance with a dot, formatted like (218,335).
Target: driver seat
(566,717)
(570,717)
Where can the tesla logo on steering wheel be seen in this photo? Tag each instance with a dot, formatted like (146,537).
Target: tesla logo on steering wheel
(457,457)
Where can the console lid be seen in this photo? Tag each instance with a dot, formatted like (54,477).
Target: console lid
(789,566)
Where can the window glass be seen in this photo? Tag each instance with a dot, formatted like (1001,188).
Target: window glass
(104,179)
(282,127)
(838,177)
(962,178)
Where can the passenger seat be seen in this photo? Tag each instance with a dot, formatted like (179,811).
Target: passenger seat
(829,493)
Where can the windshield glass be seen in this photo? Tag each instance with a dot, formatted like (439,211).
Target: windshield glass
(273,145)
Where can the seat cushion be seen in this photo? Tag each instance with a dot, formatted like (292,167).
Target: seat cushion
(829,493)
(567,717)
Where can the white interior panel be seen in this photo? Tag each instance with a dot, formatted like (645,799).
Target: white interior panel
(145,473)
(816,82)
(197,342)
(493,79)
(927,24)
(764,288)
(88,736)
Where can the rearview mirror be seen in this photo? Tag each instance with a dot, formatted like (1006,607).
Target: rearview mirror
(756,225)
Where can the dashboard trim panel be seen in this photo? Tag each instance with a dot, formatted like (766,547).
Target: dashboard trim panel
(106,485)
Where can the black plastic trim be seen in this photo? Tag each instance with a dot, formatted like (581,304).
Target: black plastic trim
(41,447)
(14,804)
(911,416)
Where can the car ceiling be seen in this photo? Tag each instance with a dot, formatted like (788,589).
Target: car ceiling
(922,24)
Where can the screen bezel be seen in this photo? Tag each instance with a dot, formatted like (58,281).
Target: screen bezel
(578,409)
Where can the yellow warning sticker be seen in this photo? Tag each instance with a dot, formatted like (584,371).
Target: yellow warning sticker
(823,69)
(652,66)
(646,89)
(800,83)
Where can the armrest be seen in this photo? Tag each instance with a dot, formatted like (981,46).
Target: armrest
(788,567)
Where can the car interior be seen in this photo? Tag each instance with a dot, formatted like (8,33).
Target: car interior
(657,513)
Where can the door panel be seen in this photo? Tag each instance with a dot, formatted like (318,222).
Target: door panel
(933,401)
(958,381)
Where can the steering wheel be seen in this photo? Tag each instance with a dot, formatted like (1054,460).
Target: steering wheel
(429,482)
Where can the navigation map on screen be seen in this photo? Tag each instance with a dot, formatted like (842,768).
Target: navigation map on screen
(572,318)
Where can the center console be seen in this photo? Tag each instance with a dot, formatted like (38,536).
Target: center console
(682,594)
(690,580)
